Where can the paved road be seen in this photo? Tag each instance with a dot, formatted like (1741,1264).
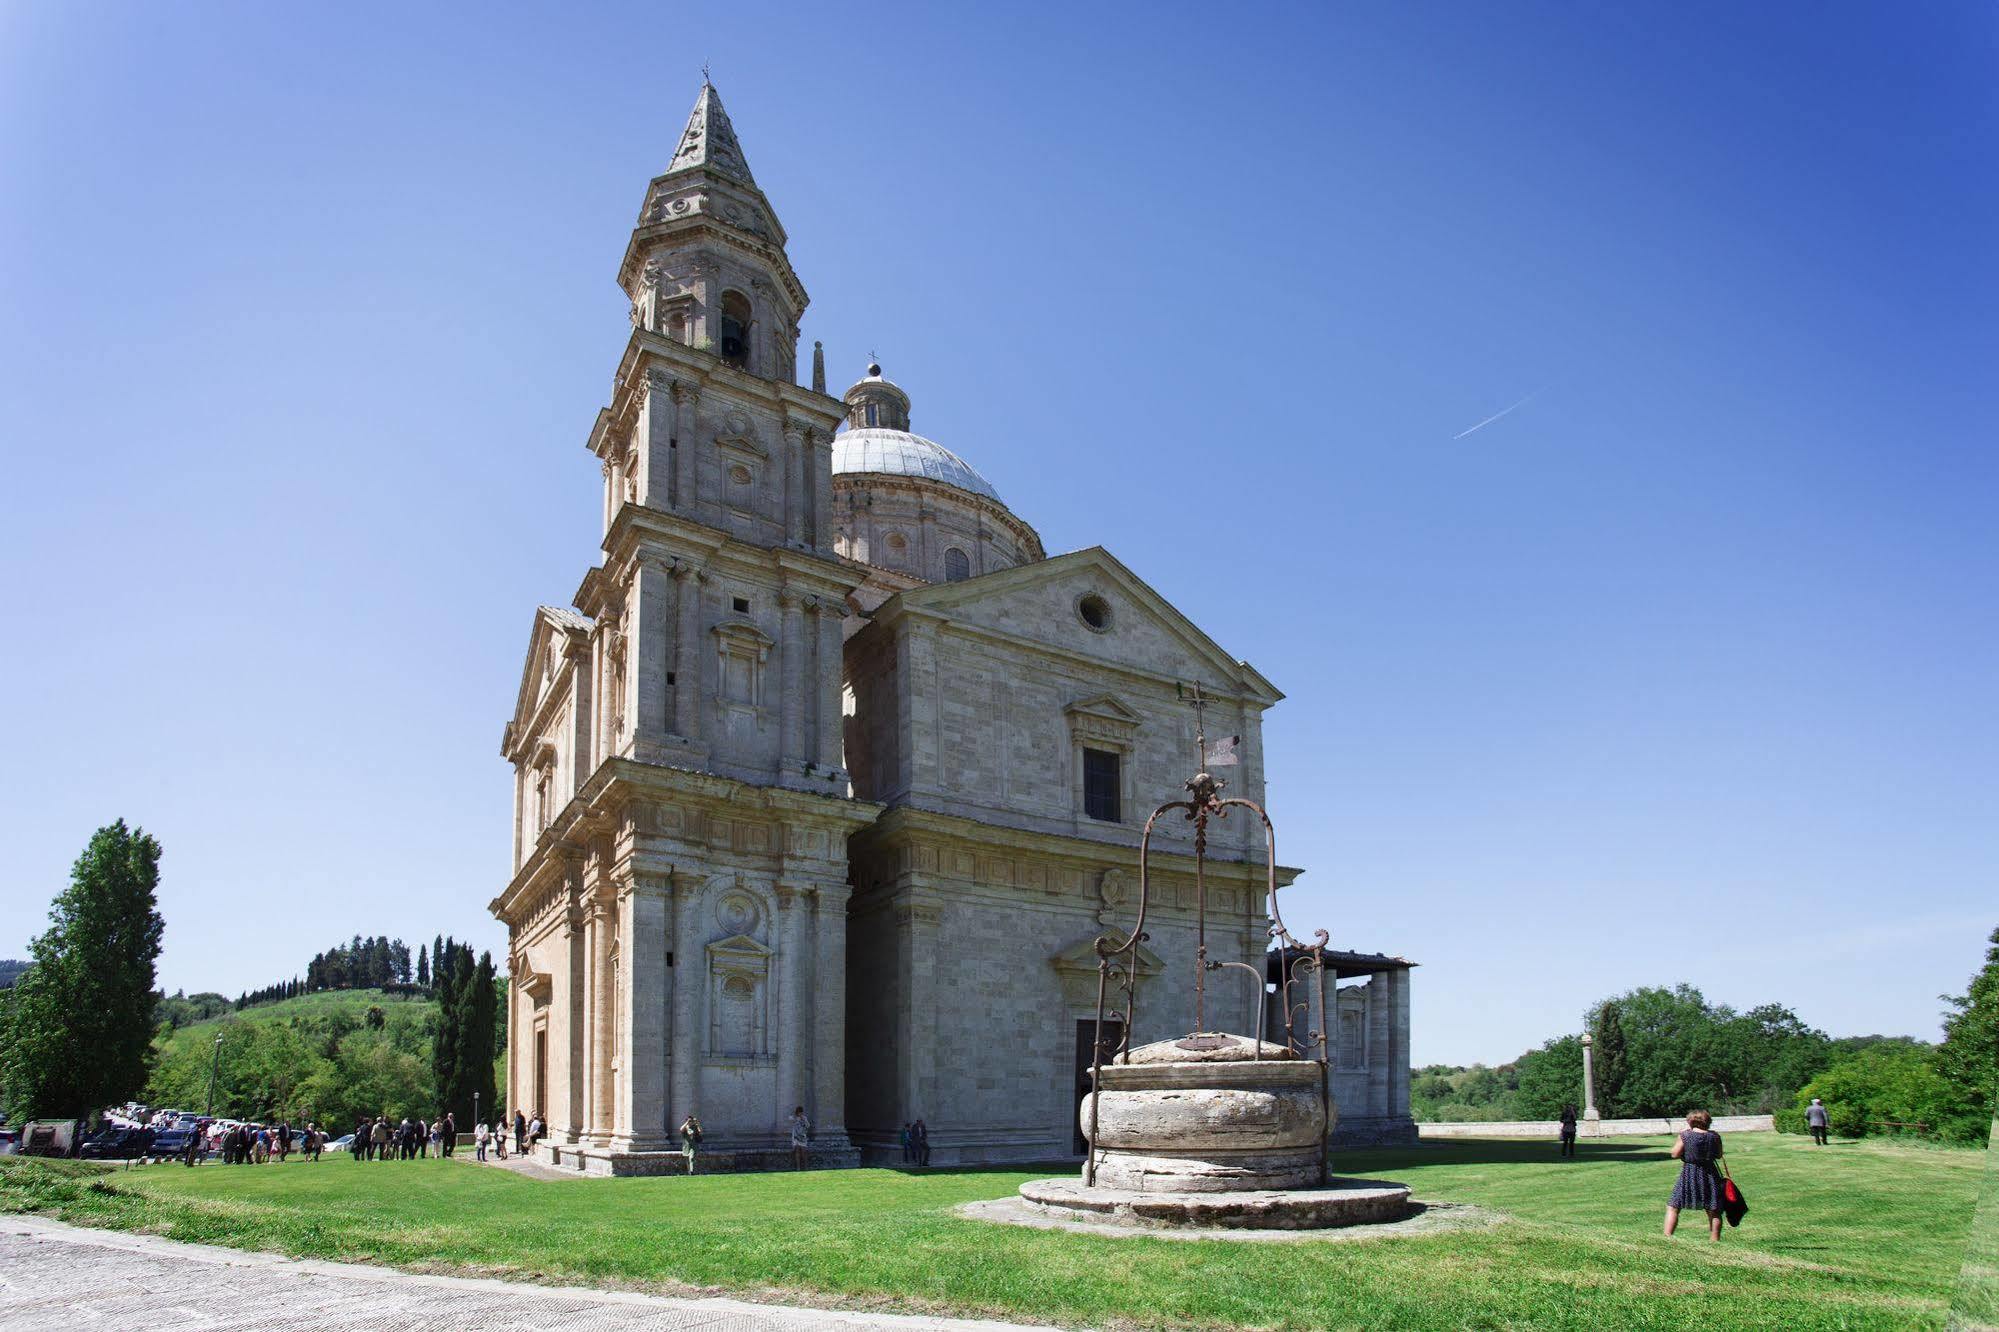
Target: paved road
(56,1277)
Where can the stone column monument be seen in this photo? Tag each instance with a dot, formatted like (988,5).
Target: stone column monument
(1589,1081)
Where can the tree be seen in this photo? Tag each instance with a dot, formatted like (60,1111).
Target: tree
(1611,1060)
(80,1030)
(422,965)
(1551,1078)
(1968,1059)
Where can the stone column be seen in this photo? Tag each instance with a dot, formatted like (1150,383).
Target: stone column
(1398,1072)
(797,481)
(688,963)
(792,652)
(827,1050)
(1589,1080)
(642,1042)
(793,1002)
(831,743)
(687,660)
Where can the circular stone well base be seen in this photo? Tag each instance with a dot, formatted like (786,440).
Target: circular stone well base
(1340,1202)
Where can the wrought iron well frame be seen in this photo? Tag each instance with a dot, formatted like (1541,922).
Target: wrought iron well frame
(1117,960)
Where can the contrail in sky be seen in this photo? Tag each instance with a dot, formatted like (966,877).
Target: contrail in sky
(1496,415)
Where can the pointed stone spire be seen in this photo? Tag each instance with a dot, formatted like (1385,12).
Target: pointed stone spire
(818,367)
(710,141)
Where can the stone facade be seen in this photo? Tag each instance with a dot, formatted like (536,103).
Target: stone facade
(830,777)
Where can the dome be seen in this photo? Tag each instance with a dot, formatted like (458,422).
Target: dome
(884,452)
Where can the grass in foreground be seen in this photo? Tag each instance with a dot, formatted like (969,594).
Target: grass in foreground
(1852,1236)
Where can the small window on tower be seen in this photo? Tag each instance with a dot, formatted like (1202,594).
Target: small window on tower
(957,565)
(874,414)
(1100,785)
(735,346)
(742,605)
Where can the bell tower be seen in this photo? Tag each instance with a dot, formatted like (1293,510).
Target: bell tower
(679,897)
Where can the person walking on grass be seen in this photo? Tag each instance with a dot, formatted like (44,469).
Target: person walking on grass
(801,1138)
(479,1141)
(520,1133)
(1568,1130)
(1818,1121)
(500,1138)
(381,1138)
(690,1139)
(450,1132)
(1697,1149)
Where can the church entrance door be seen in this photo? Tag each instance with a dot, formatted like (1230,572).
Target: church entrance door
(1086,1031)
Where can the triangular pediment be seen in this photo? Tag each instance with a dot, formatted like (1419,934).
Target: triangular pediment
(555,630)
(953,600)
(1082,956)
(1105,706)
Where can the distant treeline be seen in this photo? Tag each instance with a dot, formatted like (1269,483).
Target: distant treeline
(11,969)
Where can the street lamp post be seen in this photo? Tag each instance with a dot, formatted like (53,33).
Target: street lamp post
(212,1067)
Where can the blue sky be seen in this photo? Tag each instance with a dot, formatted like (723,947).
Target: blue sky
(1682,671)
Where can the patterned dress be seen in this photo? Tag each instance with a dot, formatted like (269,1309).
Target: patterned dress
(1699,1185)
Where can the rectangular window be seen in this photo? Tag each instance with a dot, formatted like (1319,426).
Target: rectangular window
(1100,785)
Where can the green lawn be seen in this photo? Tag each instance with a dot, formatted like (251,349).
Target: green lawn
(1853,1236)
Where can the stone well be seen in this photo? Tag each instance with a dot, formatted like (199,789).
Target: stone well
(1212,1131)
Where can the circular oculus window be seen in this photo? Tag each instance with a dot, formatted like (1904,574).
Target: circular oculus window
(1094,612)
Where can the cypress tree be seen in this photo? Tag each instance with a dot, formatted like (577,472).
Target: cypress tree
(1613,1059)
(79,1031)
(422,966)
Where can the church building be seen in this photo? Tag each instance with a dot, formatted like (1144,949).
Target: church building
(829,776)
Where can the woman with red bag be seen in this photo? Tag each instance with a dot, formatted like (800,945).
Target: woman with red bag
(1699,1184)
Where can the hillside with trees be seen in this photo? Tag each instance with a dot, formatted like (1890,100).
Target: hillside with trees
(334,1056)
(1662,1052)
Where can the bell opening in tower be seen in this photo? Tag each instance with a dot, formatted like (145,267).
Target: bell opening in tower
(736,329)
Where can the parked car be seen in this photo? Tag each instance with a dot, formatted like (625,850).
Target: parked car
(170,1143)
(343,1143)
(10,1141)
(117,1144)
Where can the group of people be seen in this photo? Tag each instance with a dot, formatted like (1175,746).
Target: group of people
(916,1143)
(247,1144)
(378,1140)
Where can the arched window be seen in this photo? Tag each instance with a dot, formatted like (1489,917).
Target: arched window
(957,565)
(736,329)
(874,415)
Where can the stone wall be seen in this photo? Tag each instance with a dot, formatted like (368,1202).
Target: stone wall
(1594,1128)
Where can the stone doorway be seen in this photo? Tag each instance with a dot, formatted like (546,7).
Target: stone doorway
(540,1071)
(1086,1029)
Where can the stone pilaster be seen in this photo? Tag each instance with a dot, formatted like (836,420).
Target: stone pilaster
(821,447)
(796,466)
(601,923)
(569,1085)
(687,657)
(794,962)
(917,919)
(655,438)
(830,745)
(686,404)
(651,630)
(644,983)
(826,1100)
(793,649)
(684,1072)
